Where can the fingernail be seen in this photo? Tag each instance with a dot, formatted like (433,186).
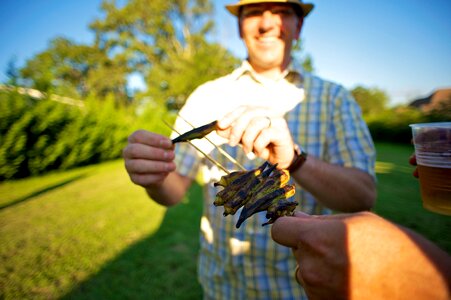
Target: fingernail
(168,154)
(170,167)
(166,143)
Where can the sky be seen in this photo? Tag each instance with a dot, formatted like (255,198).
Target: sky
(402,47)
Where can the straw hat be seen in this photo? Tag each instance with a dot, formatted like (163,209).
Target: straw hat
(234,9)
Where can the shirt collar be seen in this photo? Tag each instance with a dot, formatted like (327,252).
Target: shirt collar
(292,74)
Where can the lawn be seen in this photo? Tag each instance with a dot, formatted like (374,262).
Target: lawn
(399,196)
(91,234)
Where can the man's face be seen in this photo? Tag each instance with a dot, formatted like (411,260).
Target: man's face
(268,30)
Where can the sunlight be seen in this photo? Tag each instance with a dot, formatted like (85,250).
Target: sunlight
(238,247)
(206,229)
(384,167)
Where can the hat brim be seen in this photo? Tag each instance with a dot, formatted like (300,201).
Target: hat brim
(234,9)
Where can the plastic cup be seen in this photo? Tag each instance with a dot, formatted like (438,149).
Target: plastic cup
(432,142)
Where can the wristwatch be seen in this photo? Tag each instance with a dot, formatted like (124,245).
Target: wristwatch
(300,156)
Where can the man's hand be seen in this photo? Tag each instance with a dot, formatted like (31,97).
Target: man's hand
(363,256)
(148,158)
(413,162)
(258,130)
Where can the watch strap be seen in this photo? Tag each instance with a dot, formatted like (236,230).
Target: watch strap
(300,156)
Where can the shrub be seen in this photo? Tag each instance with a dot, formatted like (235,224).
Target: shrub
(37,136)
(30,127)
(393,124)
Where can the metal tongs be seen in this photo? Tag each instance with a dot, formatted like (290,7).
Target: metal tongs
(264,188)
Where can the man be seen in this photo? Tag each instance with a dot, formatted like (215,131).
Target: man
(268,107)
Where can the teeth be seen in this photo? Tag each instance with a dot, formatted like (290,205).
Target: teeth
(267,39)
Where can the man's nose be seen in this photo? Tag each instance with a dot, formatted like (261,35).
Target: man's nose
(267,19)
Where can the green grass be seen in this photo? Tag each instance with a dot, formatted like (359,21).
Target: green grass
(399,196)
(90,233)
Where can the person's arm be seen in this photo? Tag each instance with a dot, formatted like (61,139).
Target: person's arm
(149,162)
(339,188)
(363,256)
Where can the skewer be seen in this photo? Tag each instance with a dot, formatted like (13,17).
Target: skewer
(223,152)
(198,149)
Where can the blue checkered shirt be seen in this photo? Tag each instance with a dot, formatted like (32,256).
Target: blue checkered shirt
(323,118)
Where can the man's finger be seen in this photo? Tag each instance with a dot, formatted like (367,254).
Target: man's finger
(228,119)
(151,139)
(290,231)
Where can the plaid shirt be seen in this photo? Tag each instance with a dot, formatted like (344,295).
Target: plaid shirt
(323,118)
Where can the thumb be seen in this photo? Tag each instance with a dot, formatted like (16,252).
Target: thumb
(290,231)
(300,214)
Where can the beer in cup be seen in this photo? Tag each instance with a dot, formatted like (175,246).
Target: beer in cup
(432,142)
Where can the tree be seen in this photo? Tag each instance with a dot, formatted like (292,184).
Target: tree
(299,56)
(75,70)
(166,41)
(12,72)
(371,101)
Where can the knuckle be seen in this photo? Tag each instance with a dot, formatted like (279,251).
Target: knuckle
(130,151)
(133,151)
(135,178)
(130,166)
(125,152)
(311,276)
(132,137)
(137,136)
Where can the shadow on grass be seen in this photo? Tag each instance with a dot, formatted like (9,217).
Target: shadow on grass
(41,191)
(161,266)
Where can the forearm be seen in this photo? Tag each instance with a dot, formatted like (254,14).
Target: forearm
(438,262)
(388,255)
(339,188)
(171,191)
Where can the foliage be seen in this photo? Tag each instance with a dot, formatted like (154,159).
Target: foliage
(372,101)
(166,43)
(392,125)
(37,136)
(12,72)
(75,70)
(440,111)
(299,56)
(174,80)
(31,127)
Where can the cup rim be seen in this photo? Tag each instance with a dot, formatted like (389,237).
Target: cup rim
(431,124)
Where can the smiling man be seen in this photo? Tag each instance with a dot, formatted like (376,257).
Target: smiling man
(268,31)
(267,109)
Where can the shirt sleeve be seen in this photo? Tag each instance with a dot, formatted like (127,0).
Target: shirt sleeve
(350,142)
